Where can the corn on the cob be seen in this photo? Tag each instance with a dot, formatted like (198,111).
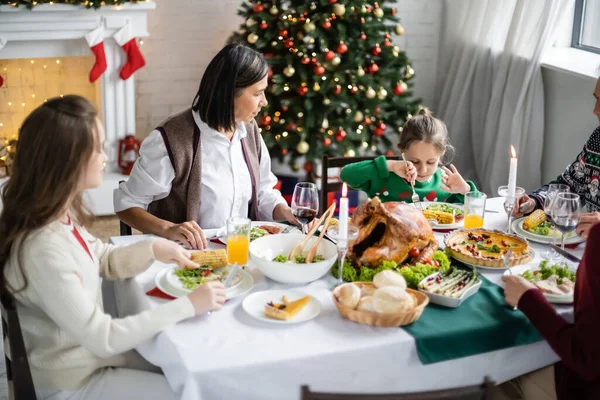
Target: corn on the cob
(210,258)
(534,219)
(440,216)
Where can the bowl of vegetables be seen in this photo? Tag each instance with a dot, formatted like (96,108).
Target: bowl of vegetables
(270,254)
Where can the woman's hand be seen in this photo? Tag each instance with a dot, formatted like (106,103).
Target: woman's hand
(453,182)
(404,169)
(523,206)
(514,287)
(283,212)
(188,233)
(208,298)
(586,222)
(171,253)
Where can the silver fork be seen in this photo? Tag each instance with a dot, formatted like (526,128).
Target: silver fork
(415,197)
(506,260)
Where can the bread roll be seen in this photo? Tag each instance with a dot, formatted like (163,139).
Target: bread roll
(349,295)
(392,307)
(366,304)
(392,293)
(389,278)
(367,290)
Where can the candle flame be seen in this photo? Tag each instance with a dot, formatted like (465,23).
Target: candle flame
(513,152)
(344,190)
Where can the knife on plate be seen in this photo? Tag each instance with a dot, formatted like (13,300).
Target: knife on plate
(566,254)
(234,269)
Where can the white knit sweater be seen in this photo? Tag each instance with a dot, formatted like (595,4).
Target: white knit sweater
(67,334)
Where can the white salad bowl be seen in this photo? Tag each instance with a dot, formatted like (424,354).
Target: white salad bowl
(263,250)
(448,301)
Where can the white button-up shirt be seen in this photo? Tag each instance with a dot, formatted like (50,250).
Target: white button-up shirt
(226,186)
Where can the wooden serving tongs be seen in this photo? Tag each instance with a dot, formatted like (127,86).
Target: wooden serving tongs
(297,250)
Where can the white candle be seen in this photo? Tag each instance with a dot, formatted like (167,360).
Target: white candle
(343,232)
(512,174)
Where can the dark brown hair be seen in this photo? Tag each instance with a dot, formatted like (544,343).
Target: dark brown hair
(233,69)
(424,127)
(55,144)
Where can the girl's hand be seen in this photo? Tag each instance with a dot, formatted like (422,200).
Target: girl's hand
(405,170)
(452,182)
(514,287)
(208,298)
(171,253)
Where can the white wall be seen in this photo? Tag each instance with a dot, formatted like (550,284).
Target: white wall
(186,34)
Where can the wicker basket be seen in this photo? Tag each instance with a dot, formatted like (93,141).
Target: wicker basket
(377,319)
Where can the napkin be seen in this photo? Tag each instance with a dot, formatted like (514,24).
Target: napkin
(156,292)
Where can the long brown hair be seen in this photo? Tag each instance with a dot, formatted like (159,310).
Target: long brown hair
(424,127)
(55,143)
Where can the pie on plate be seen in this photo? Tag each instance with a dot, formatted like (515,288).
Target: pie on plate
(486,248)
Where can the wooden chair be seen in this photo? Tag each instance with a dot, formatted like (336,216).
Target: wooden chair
(337,162)
(124,228)
(17,368)
(477,392)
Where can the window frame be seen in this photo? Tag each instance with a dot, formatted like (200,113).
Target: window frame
(578,29)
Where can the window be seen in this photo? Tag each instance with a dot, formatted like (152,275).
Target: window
(586,27)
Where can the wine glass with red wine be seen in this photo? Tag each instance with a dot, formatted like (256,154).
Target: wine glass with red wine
(566,212)
(553,190)
(305,203)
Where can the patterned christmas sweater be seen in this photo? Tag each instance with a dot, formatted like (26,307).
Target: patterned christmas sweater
(582,176)
(374,178)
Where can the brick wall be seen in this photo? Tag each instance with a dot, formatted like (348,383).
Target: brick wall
(185,35)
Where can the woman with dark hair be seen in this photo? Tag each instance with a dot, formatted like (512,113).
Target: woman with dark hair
(209,162)
(53,267)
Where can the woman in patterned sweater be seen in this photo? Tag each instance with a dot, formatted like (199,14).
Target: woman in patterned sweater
(582,176)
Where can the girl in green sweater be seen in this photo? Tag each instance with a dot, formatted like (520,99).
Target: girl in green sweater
(424,141)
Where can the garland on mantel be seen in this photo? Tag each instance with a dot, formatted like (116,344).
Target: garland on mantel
(87,3)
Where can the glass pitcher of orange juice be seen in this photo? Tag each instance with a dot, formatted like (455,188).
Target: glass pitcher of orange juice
(474,209)
(238,240)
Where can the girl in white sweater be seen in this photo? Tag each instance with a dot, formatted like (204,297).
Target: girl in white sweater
(53,266)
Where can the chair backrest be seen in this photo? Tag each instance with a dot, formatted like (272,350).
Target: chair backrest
(125,230)
(18,366)
(477,392)
(337,162)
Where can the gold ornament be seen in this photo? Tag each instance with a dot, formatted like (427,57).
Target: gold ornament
(274,10)
(336,60)
(313,6)
(325,124)
(350,153)
(300,114)
(363,9)
(360,71)
(400,129)
(409,72)
(339,9)
(274,43)
(302,147)
(300,36)
(378,13)
(309,27)
(326,101)
(311,40)
(250,23)
(365,145)
(370,93)
(289,71)
(358,117)
(316,87)
(252,38)
(295,167)
(382,93)
(399,29)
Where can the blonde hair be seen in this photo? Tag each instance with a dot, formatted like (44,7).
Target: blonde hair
(424,127)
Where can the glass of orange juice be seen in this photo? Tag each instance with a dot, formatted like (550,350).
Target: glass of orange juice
(474,209)
(238,240)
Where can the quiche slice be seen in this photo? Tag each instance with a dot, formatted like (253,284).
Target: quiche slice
(287,309)
(486,248)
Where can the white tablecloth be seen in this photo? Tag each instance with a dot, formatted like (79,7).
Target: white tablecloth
(229,355)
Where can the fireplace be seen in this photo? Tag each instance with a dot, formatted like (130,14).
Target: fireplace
(46,55)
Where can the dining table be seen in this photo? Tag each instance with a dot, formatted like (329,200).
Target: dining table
(231,355)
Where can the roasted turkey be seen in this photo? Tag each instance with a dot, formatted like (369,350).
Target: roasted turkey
(388,231)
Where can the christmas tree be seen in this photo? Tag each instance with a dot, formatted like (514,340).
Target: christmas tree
(338,85)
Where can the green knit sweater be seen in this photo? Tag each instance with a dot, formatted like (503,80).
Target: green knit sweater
(374,178)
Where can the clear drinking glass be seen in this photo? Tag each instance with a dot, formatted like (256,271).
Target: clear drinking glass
(474,209)
(553,190)
(509,202)
(238,240)
(305,203)
(566,212)
(342,248)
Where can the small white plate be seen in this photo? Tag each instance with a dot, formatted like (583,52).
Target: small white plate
(447,301)
(517,226)
(161,281)
(254,305)
(534,266)
(221,234)
(531,250)
(175,282)
(455,225)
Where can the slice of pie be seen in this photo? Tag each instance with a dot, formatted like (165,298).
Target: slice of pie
(287,309)
(487,248)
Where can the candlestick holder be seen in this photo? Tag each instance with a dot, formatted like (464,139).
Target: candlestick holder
(342,248)
(510,201)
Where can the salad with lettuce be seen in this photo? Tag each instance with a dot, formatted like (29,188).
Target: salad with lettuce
(546,270)
(300,259)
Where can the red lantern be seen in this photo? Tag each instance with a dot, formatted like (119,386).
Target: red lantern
(258,8)
(129,151)
(342,48)
(329,55)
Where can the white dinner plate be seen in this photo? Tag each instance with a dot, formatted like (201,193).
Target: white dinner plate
(531,250)
(246,283)
(534,266)
(174,281)
(222,232)
(517,226)
(254,305)
(456,225)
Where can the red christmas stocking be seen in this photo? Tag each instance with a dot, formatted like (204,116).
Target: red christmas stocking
(95,40)
(135,60)
(2,44)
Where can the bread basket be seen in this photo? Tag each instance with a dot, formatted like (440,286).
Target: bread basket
(378,319)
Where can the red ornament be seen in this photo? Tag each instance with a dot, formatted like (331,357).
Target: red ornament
(369,9)
(332,1)
(258,8)
(265,120)
(376,5)
(319,70)
(284,151)
(340,135)
(291,126)
(363,36)
(354,90)
(387,43)
(368,121)
(329,55)
(283,33)
(389,153)
(394,11)
(264,25)
(398,89)
(270,73)
(380,125)
(305,60)
(387,35)
(376,50)
(338,89)
(285,108)
(302,90)
(326,142)
(129,151)
(342,48)
(326,25)
(288,43)
(373,68)
(308,166)
(378,132)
